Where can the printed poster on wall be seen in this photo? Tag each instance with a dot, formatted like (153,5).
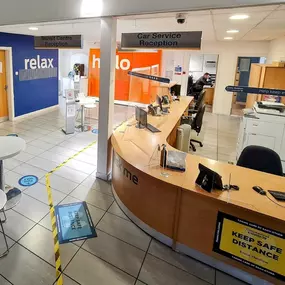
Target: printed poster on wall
(128,88)
(251,244)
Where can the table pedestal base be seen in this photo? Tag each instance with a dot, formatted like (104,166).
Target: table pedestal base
(12,198)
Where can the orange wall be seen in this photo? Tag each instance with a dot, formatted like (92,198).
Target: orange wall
(128,88)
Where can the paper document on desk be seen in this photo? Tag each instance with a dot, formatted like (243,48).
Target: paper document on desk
(176,160)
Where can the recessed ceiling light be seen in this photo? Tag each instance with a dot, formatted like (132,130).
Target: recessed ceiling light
(33,28)
(228,38)
(232,31)
(239,17)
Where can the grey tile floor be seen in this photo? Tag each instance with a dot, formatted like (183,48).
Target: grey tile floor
(122,253)
(220,137)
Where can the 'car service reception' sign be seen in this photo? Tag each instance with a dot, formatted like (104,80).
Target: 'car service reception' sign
(162,40)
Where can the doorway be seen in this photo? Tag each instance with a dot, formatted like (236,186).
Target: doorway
(3,88)
(242,79)
(199,65)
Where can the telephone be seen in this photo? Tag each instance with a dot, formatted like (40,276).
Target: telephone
(165,100)
(153,110)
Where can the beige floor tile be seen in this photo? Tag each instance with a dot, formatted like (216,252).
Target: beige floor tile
(116,252)
(158,272)
(88,269)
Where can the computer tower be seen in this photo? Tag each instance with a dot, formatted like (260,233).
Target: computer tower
(183,137)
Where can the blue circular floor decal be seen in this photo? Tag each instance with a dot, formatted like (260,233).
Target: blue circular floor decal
(28,180)
(95,131)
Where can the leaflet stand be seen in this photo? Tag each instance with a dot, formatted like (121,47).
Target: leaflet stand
(76,84)
(70,112)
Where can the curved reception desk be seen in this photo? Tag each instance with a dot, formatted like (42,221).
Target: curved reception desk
(238,232)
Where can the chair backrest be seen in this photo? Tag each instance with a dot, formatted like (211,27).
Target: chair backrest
(262,159)
(190,85)
(201,99)
(198,119)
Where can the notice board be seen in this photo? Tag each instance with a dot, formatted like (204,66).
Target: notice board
(251,244)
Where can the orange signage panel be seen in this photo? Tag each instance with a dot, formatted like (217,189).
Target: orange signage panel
(128,88)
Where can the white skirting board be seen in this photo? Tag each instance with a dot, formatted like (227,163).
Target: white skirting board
(36,113)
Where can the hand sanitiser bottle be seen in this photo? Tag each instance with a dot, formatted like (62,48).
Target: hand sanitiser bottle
(163,156)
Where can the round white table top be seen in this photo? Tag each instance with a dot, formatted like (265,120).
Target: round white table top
(10,146)
(3,199)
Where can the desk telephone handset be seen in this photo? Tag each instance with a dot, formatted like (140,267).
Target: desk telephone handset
(152,110)
(165,99)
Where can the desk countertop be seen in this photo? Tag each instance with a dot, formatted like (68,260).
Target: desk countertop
(138,148)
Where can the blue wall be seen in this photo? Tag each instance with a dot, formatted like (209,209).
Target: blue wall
(35,94)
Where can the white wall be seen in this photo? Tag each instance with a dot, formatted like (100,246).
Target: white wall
(68,57)
(276,50)
(228,53)
(199,61)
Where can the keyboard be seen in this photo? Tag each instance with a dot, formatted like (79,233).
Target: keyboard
(280,196)
(152,128)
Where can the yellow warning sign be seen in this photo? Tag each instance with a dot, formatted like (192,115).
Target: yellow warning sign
(251,244)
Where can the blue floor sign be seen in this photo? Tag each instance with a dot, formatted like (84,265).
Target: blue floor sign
(95,131)
(28,180)
(74,222)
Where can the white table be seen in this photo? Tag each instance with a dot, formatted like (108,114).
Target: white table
(82,102)
(9,147)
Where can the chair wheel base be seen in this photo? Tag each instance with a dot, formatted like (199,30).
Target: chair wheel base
(192,147)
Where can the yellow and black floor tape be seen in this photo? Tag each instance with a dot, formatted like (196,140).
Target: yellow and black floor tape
(58,268)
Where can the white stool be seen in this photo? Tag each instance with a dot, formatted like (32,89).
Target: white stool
(88,108)
(3,201)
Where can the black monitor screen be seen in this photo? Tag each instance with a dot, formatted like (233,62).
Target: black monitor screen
(208,179)
(137,113)
(141,116)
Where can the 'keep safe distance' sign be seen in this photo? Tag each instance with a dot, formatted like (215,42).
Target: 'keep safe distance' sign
(251,244)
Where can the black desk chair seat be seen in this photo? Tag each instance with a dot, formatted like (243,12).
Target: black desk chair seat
(196,125)
(262,159)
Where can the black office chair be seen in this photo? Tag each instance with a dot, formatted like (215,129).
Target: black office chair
(196,125)
(262,159)
(190,85)
(200,102)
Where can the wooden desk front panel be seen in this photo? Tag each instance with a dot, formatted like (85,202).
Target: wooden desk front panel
(209,96)
(151,200)
(197,225)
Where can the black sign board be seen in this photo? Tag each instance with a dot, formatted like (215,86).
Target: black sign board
(150,77)
(56,42)
(254,90)
(162,40)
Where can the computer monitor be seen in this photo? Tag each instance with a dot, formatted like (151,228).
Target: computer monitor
(175,90)
(208,179)
(141,117)
(137,113)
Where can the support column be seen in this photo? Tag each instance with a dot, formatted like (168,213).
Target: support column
(107,90)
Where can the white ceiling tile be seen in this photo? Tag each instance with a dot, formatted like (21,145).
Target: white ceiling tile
(245,9)
(222,20)
(272,24)
(277,14)
(261,35)
(281,7)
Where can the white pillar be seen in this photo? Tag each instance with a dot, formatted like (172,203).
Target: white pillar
(107,89)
